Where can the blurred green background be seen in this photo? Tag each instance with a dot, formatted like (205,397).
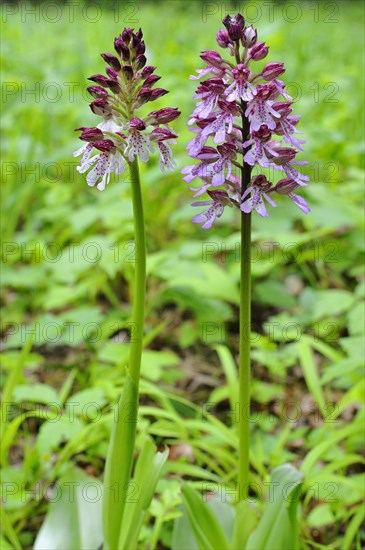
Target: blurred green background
(68,264)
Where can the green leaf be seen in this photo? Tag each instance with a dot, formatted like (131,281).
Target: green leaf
(147,473)
(205,526)
(74,516)
(119,463)
(311,374)
(87,403)
(231,374)
(245,522)
(53,432)
(320,449)
(36,393)
(278,525)
(353,527)
(183,536)
(327,303)
(356,319)
(320,515)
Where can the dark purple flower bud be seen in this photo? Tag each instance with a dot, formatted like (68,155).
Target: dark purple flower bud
(272,70)
(219,196)
(234,25)
(111,60)
(137,123)
(90,134)
(207,153)
(127,35)
(100,107)
(214,84)
(105,145)
(113,85)
(151,80)
(143,96)
(141,61)
(127,72)
(227,150)
(121,48)
(112,73)
(283,107)
(147,71)
(286,186)
(97,91)
(286,154)
(140,48)
(134,43)
(249,37)
(162,116)
(161,134)
(262,182)
(223,39)
(158,92)
(139,34)
(259,51)
(262,134)
(99,79)
(213,58)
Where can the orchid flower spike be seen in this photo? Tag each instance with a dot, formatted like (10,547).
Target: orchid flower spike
(121,136)
(239,112)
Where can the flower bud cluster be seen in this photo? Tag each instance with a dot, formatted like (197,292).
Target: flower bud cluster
(240,110)
(121,136)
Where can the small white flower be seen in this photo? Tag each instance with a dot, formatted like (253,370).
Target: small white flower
(167,161)
(138,145)
(104,165)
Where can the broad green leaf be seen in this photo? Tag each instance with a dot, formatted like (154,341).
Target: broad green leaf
(183,536)
(74,516)
(87,403)
(53,432)
(320,515)
(119,463)
(36,393)
(147,473)
(278,525)
(245,522)
(205,526)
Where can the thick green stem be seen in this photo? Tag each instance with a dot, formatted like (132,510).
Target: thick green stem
(119,461)
(139,276)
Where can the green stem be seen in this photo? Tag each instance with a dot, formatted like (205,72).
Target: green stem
(119,463)
(139,275)
(244,358)
(245,331)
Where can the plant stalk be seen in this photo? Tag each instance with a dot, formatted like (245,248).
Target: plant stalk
(244,356)
(245,331)
(119,463)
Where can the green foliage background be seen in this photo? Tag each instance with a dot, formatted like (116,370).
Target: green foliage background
(68,264)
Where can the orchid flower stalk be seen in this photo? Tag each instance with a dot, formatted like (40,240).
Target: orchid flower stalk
(120,140)
(239,111)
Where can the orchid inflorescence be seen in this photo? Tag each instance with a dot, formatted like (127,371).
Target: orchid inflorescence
(122,136)
(239,109)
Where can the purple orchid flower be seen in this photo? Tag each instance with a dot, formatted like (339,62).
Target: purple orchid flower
(121,136)
(239,113)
